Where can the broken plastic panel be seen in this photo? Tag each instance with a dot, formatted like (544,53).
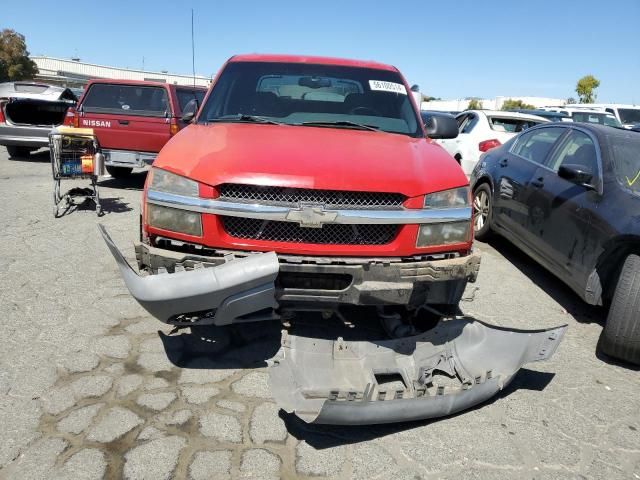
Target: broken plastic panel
(456,365)
(233,292)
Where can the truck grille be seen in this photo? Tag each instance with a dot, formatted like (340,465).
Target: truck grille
(330,234)
(292,197)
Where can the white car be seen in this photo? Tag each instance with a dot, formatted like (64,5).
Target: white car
(482,130)
(627,115)
(586,115)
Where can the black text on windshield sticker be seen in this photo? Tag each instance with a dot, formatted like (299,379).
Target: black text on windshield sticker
(382,86)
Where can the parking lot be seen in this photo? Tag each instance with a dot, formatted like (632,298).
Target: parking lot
(92,387)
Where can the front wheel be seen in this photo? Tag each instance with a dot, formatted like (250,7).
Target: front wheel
(119,172)
(482,213)
(621,335)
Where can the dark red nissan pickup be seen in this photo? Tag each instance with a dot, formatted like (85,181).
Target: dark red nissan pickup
(133,120)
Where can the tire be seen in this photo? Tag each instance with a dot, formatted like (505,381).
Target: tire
(119,172)
(482,212)
(621,335)
(16,151)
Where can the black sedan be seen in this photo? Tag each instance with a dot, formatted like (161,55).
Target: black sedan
(568,195)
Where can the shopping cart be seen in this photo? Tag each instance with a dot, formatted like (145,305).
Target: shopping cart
(75,154)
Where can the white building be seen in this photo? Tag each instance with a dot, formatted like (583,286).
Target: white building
(74,73)
(461,104)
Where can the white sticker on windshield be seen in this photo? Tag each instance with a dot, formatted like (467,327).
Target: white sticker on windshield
(387,86)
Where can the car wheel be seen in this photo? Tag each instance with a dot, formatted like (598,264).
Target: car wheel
(119,172)
(482,205)
(621,335)
(15,151)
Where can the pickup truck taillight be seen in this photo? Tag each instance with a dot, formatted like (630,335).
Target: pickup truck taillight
(2,120)
(489,144)
(71,118)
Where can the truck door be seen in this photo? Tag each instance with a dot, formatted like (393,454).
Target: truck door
(127,117)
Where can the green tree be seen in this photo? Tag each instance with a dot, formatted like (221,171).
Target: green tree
(511,104)
(571,101)
(15,63)
(585,88)
(474,104)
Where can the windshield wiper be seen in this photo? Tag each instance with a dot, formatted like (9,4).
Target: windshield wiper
(241,117)
(340,123)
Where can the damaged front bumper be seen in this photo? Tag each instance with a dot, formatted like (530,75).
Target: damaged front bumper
(452,367)
(456,365)
(231,292)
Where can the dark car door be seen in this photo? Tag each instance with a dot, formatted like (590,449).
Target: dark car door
(561,211)
(515,170)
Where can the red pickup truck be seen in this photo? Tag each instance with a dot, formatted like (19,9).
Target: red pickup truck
(310,184)
(132,119)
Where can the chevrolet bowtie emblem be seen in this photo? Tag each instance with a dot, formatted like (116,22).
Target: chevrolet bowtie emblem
(311,215)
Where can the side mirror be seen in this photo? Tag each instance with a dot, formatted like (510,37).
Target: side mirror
(578,174)
(440,125)
(190,110)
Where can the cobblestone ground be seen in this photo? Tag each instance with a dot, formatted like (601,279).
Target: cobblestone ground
(92,387)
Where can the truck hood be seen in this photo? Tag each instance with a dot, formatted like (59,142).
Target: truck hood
(310,157)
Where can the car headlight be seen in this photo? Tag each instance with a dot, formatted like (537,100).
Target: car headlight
(443,233)
(174,219)
(433,234)
(168,182)
(453,198)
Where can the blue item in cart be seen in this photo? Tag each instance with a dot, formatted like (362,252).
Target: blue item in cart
(73,167)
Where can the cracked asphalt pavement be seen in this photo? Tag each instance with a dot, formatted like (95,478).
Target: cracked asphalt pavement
(92,387)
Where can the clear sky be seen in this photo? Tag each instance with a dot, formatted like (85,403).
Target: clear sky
(450,48)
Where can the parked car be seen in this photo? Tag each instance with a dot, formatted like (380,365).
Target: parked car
(308,184)
(28,112)
(584,115)
(568,194)
(627,115)
(551,115)
(132,119)
(482,130)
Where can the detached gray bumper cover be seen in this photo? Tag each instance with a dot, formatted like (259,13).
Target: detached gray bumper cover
(450,368)
(227,292)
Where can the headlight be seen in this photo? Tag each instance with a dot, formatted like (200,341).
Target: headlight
(443,233)
(454,198)
(446,233)
(168,182)
(174,219)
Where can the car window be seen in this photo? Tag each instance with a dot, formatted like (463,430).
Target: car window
(577,149)
(596,117)
(626,161)
(537,144)
(311,95)
(512,125)
(629,115)
(469,123)
(185,95)
(126,100)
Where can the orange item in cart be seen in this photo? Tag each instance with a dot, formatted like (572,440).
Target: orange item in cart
(87,163)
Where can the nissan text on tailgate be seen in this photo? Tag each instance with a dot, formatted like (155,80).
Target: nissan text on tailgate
(310,184)
(132,119)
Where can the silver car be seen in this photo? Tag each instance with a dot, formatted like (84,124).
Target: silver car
(28,112)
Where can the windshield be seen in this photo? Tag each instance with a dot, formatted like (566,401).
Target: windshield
(626,159)
(596,117)
(312,95)
(629,115)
